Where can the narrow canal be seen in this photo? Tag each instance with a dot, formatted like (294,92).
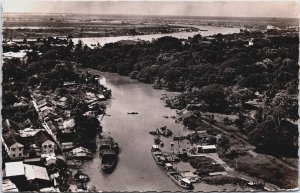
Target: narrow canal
(136,169)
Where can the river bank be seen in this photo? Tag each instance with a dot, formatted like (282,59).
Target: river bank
(132,134)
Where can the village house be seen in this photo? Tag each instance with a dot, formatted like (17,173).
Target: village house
(67,145)
(46,144)
(68,126)
(206,149)
(16,150)
(12,145)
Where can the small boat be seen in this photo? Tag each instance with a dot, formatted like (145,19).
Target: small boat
(157,140)
(171,158)
(153,133)
(165,116)
(81,177)
(158,155)
(109,160)
(132,113)
(177,177)
(108,143)
(166,133)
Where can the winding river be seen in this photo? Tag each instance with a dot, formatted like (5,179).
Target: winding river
(136,169)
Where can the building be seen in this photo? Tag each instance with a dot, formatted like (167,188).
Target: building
(68,126)
(12,145)
(206,149)
(45,143)
(27,177)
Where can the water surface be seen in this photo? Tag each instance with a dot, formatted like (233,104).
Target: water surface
(136,169)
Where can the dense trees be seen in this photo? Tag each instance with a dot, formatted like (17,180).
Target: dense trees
(221,73)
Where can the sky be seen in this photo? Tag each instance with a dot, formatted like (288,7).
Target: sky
(286,9)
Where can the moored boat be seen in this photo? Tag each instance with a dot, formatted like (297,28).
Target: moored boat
(108,143)
(81,177)
(177,177)
(109,160)
(158,155)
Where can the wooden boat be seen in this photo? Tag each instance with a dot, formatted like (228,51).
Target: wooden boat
(132,113)
(158,156)
(109,160)
(81,177)
(177,177)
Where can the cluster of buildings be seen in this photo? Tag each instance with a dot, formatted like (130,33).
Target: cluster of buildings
(33,149)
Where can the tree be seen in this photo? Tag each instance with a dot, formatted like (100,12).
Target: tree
(240,95)
(285,105)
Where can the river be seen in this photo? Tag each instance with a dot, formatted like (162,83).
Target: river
(136,169)
(209,30)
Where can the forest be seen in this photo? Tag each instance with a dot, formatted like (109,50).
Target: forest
(220,73)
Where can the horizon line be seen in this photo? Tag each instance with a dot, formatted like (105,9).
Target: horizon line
(70,13)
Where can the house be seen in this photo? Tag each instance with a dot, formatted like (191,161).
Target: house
(28,177)
(28,132)
(16,150)
(67,145)
(68,126)
(206,149)
(46,144)
(50,160)
(12,145)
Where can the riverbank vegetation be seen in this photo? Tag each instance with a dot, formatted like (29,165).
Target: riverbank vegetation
(245,85)
(250,78)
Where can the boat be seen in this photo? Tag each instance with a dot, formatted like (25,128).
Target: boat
(157,140)
(107,144)
(109,160)
(171,158)
(158,156)
(132,113)
(81,177)
(165,132)
(177,177)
